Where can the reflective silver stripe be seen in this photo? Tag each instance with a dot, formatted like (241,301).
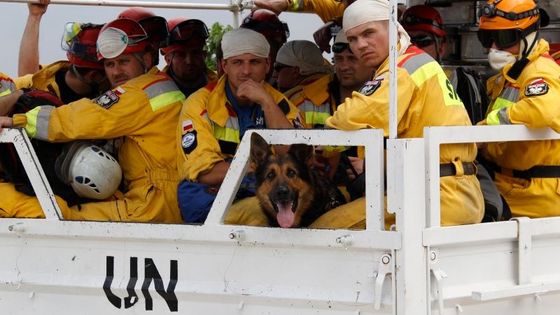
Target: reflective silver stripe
(43,122)
(511,94)
(308,106)
(232,123)
(503,116)
(415,62)
(159,88)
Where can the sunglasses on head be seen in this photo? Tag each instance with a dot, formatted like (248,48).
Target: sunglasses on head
(423,41)
(340,47)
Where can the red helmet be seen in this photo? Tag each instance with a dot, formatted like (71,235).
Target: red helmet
(136,14)
(122,36)
(268,24)
(79,42)
(182,30)
(155,26)
(423,18)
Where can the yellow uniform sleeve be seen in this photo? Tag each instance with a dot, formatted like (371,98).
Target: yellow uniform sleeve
(327,10)
(111,115)
(372,111)
(200,150)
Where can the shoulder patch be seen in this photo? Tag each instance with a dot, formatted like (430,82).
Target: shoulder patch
(537,87)
(370,86)
(189,142)
(107,99)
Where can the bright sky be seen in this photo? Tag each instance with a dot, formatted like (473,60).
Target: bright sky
(14,16)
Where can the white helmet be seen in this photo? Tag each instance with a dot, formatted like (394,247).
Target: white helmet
(92,172)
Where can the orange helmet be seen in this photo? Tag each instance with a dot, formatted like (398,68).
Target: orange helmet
(121,36)
(423,18)
(79,42)
(155,26)
(506,22)
(182,30)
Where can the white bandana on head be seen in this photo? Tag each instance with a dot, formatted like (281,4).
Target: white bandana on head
(364,11)
(305,55)
(244,41)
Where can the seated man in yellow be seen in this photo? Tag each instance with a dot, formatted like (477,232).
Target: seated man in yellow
(142,108)
(424,99)
(214,119)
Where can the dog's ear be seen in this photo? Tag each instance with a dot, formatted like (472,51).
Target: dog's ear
(260,150)
(302,153)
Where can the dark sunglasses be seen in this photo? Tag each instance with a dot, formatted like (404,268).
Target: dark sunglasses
(184,31)
(423,41)
(279,66)
(340,47)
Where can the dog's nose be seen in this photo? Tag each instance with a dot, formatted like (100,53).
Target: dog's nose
(282,192)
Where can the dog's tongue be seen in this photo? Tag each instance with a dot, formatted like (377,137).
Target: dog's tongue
(285,216)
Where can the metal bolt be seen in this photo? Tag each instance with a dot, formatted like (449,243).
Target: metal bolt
(459,308)
(237,235)
(433,255)
(18,228)
(386,259)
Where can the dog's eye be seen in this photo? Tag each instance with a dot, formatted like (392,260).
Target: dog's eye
(290,173)
(270,175)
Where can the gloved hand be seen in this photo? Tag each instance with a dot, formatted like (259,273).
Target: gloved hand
(32,98)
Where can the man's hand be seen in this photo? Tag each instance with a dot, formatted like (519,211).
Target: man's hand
(254,92)
(6,122)
(273,5)
(482,123)
(38,9)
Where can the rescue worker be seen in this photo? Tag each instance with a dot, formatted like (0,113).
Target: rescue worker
(185,55)
(425,27)
(275,31)
(215,118)
(154,25)
(303,76)
(82,75)
(350,72)
(525,91)
(28,59)
(424,24)
(142,108)
(425,98)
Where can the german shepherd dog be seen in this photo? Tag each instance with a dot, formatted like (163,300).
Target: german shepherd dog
(291,191)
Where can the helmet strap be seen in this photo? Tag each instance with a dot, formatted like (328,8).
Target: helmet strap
(515,70)
(141,60)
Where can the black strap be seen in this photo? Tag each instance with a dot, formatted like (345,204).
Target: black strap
(449,169)
(538,171)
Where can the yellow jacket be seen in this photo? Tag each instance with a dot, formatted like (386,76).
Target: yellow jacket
(327,10)
(531,100)
(144,113)
(43,79)
(212,122)
(425,98)
(313,99)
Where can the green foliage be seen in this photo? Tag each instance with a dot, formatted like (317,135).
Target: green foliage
(217,30)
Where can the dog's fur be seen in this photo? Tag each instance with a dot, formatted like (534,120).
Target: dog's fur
(290,190)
